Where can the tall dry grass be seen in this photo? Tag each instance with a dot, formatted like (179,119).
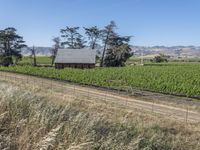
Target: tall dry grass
(31,121)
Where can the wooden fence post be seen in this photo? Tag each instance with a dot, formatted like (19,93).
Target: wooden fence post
(74,91)
(153,104)
(88,94)
(51,86)
(186,117)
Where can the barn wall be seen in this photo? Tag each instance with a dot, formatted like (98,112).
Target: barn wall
(82,66)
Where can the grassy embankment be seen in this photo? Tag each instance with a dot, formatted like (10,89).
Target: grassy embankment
(30,121)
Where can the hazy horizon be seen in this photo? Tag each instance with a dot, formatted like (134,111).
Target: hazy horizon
(138,46)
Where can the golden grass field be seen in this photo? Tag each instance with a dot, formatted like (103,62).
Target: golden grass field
(35,118)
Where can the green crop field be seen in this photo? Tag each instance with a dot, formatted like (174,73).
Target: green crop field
(44,60)
(171,78)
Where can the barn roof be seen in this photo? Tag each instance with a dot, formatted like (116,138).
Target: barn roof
(82,56)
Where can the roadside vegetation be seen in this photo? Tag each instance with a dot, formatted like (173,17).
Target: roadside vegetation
(171,78)
(30,121)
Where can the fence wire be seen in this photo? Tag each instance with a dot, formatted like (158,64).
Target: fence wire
(123,100)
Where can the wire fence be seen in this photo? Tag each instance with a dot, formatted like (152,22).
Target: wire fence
(122,99)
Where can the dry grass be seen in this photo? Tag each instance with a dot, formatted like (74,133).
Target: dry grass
(40,121)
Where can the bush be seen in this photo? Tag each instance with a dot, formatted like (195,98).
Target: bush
(6,61)
(161,58)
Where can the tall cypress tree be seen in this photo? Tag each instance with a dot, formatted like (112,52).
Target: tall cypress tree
(10,45)
(72,38)
(108,32)
(118,52)
(93,34)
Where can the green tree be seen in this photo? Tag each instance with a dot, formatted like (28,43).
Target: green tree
(107,33)
(118,52)
(73,39)
(94,34)
(80,42)
(5,60)
(10,46)
(161,58)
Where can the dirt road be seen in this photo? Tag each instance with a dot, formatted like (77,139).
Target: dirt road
(102,95)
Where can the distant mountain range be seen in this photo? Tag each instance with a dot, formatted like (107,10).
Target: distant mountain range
(40,51)
(175,51)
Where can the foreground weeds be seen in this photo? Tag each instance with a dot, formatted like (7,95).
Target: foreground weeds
(29,121)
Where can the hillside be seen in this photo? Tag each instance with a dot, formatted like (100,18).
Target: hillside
(174,52)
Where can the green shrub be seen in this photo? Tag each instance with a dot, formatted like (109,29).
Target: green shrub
(6,60)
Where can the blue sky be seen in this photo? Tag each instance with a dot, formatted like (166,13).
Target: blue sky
(151,22)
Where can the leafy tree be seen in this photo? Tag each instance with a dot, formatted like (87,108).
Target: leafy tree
(10,46)
(107,34)
(161,58)
(80,42)
(94,34)
(118,52)
(16,59)
(5,60)
(73,39)
(54,50)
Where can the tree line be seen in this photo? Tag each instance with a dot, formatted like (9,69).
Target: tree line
(115,48)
